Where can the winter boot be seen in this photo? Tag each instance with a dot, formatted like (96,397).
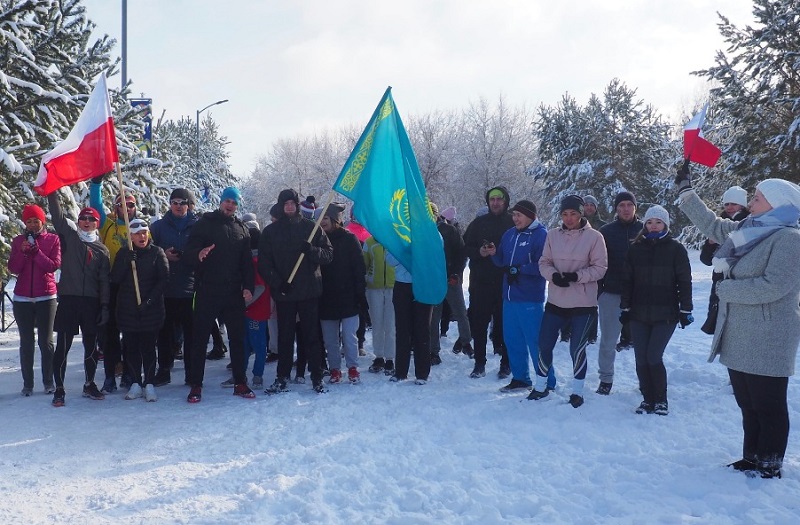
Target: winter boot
(388,368)
(92,392)
(377,365)
(217,353)
(478,371)
(435,359)
(604,389)
(242,390)
(277,387)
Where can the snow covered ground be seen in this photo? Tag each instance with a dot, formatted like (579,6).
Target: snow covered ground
(452,451)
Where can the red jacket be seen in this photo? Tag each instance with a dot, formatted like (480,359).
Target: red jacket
(34,270)
(260,309)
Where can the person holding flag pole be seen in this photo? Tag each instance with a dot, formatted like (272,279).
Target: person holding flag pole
(290,252)
(89,150)
(757,332)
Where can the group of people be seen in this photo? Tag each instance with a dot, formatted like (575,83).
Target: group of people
(170,281)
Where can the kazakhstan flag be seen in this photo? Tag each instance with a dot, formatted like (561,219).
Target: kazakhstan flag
(382,179)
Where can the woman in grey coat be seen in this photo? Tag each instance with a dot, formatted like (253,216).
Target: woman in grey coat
(758,328)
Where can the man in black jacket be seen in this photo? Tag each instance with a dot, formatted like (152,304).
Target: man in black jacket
(455,262)
(618,234)
(486,280)
(279,249)
(219,249)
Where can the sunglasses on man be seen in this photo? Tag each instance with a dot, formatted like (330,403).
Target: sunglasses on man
(87,218)
(179,203)
(130,205)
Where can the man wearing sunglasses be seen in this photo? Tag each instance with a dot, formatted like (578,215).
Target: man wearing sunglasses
(171,233)
(83,294)
(114,234)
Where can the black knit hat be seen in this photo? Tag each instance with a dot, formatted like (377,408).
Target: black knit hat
(571,202)
(288,195)
(527,208)
(624,196)
(182,193)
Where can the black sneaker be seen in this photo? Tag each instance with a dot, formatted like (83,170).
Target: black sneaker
(162,378)
(604,389)
(217,353)
(388,368)
(377,365)
(624,345)
(743,465)
(467,350)
(515,385)
(478,372)
(457,347)
(272,357)
(109,385)
(575,400)
(278,386)
(92,392)
(644,408)
(661,408)
(319,386)
(769,472)
(58,397)
(435,360)
(125,381)
(535,395)
(504,372)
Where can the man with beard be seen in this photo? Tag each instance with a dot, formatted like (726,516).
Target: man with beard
(486,280)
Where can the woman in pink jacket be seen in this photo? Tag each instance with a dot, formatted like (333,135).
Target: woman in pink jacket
(35,256)
(573,260)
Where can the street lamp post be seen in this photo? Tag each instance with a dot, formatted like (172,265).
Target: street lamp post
(197,129)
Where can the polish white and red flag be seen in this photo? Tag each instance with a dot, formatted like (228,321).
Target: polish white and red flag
(89,150)
(695,147)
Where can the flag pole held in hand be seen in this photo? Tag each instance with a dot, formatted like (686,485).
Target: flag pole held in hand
(310,237)
(124,207)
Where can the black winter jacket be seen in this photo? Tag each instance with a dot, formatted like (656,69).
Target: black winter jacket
(454,257)
(166,233)
(229,266)
(618,236)
(278,249)
(482,270)
(152,269)
(657,280)
(343,280)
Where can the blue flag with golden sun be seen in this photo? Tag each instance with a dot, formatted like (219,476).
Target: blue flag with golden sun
(382,178)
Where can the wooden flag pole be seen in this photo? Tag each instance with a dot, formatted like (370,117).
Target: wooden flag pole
(311,236)
(124,206)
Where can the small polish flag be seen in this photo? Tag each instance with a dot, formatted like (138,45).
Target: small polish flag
(89,150)
(695,147)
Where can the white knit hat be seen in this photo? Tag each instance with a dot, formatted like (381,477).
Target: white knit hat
(657,212)
(779,192)
(735,195)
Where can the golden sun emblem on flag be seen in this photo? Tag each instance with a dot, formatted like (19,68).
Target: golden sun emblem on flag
(398,209)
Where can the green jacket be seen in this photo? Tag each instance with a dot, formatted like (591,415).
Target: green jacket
(379,273)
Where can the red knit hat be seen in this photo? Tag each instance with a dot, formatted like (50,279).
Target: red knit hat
(30,211)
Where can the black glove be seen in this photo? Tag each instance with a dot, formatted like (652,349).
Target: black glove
(570,277)
(305,247)
(560,281)
(145,305)
(103,316)
(685,319)
(132,255)
(513,274)
(97,180)
(683,179)
(624,316)
(286,288)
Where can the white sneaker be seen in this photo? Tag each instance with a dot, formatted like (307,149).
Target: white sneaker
(135,392)
(150,393)
(420,381)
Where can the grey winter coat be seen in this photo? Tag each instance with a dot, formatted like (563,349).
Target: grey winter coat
(758,328)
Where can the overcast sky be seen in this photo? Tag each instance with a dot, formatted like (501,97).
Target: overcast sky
(292,67)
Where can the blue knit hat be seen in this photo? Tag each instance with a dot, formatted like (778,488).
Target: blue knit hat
(233,194)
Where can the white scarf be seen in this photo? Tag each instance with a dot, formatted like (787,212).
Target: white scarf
(88,236)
